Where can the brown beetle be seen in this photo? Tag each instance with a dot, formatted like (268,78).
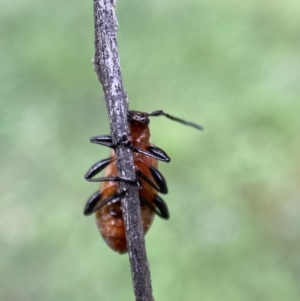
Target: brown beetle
(106,203)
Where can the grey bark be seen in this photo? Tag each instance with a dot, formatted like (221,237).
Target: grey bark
(107,67)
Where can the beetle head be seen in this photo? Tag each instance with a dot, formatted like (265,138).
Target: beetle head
(138,117)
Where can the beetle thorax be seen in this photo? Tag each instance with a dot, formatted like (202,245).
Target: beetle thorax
(140,134)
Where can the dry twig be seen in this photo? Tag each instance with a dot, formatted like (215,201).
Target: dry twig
(107,66)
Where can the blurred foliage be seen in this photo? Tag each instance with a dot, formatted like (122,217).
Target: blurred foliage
(233,66)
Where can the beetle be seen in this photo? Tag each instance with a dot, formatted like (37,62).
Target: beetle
(106,202)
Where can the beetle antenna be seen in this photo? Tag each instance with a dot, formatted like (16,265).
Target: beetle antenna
(188,123)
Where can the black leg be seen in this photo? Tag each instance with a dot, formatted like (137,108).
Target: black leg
(93,203)
(105,140)
(159,180)
(98,167)
(160,207)
(161,186)
(154,152)
(115,179)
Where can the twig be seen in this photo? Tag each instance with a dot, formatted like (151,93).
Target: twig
(107,66)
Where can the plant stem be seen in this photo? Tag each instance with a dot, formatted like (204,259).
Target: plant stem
(107,67)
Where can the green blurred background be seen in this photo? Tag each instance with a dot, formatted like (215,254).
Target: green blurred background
(233,66)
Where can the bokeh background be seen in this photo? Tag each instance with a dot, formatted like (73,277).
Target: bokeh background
(233,66)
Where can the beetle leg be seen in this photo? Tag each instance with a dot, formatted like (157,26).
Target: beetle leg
(106,140)
(154,152)
(93,203)
(161,186)
(159,153)
(160,207)
(98,167)
(159,179)
(116,179)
